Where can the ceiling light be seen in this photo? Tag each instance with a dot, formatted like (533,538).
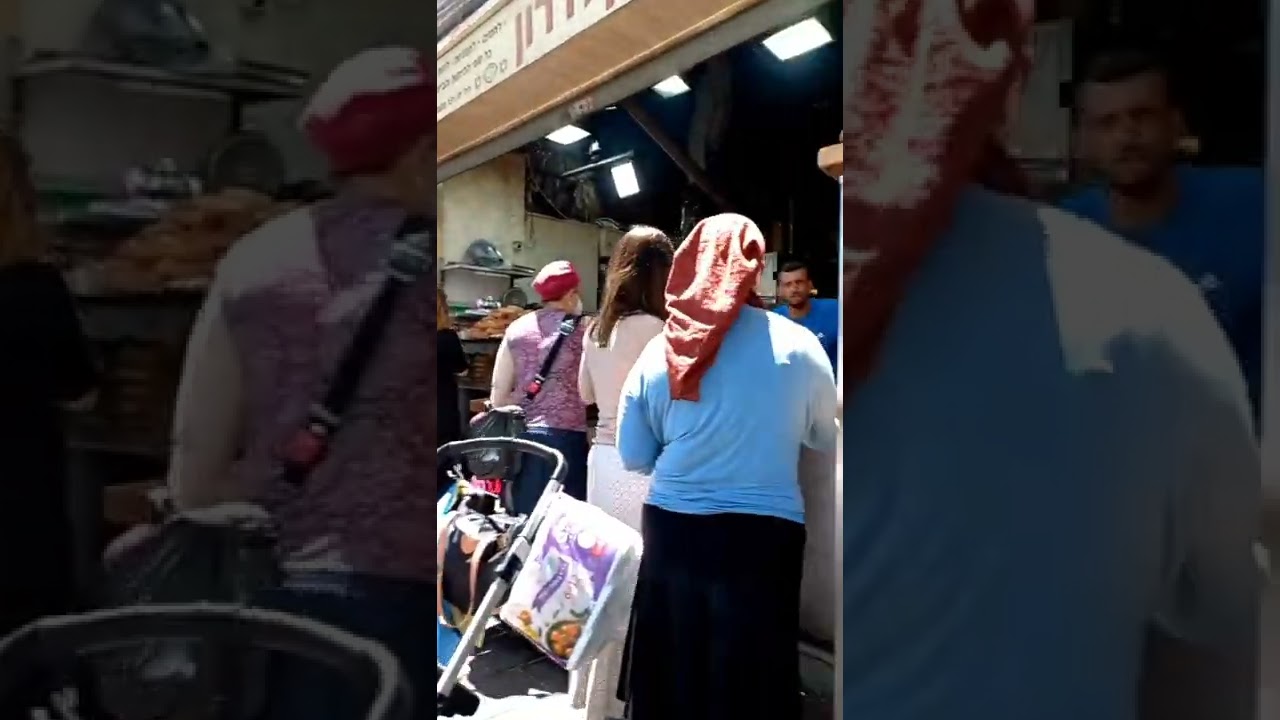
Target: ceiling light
(798,39)
(625,180)
(568,135)
(671,87)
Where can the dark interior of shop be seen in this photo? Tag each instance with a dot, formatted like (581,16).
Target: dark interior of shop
(1216,51)
(755,129)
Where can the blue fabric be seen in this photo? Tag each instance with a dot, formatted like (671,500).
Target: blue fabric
(535,472)
(1055,438)
(823,320)
(447,638)
(1217,236)
(769,390)
(393,612)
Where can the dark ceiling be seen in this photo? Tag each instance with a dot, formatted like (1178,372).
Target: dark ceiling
(780,114)
(451,13)
(1216,51)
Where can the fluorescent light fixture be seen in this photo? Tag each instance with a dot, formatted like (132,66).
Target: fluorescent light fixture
(798,39)
(671,87)
(568,135)
(625,180)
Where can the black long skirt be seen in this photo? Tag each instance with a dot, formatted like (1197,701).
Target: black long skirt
(716,621)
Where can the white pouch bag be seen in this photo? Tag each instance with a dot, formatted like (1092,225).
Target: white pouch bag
(573,595)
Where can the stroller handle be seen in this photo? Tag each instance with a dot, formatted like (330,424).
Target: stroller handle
(551,455)
(50,639)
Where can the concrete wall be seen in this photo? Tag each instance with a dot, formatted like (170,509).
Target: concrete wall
(488,203)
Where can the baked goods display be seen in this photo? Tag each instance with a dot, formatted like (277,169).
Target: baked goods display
(494,325)
(480,369)
(135,405)
(181,249)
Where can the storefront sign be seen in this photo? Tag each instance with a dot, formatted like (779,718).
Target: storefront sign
(511,39)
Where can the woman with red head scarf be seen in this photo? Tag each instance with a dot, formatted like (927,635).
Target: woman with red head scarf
(357,541)
(1048,444)
(716,411)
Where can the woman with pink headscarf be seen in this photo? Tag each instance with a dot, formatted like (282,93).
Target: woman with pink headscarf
(357,540)
(554,410)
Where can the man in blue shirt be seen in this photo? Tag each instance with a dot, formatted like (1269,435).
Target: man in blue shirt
(1207,222)
(820,315)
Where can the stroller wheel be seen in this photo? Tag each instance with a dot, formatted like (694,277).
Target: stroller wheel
(459,703)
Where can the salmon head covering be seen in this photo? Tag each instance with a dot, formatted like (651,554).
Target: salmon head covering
(372,109)
(713,274)
(927,87)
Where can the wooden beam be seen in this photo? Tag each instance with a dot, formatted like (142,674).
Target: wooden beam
(673,150)
(831,159)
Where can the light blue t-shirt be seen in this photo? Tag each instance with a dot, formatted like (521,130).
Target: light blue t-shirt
(1053,451)
(769,390)
(823,320)
(1216,235)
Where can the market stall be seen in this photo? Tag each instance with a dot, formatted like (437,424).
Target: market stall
(558,50)
(146,173)
(573,59)
(557,160)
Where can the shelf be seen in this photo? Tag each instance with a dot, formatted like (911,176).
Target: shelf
(168,296)
(138,450)
(249,83)
(104,217)
(509,271)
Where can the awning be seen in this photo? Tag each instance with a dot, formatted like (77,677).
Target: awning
(558,50)
(450,14)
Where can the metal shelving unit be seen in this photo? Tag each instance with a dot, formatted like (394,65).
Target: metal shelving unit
(100,450)
(249,82)
(513,272)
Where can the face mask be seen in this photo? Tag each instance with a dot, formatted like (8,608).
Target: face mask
(577,306)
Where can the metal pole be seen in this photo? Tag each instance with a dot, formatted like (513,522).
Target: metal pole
(1271,322)
(696,175)
(607,162)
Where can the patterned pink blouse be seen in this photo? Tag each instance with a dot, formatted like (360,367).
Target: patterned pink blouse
(283,308)
(527,341)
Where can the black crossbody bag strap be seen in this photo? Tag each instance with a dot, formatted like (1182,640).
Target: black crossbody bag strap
(567,328)
(412,257)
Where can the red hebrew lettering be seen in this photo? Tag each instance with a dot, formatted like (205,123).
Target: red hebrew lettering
(570,7)
(524,34)
(548,13)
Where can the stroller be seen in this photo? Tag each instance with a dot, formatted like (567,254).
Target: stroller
(451,698)
(53,648)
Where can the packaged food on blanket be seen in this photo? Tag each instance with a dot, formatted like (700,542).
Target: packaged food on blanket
(573,596)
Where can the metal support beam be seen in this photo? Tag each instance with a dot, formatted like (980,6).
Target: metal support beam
(1271,312)
(607,162)
(769,15)
(696,175)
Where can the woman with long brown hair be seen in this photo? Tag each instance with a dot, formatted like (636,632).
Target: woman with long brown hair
(45,367)
(632,314)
